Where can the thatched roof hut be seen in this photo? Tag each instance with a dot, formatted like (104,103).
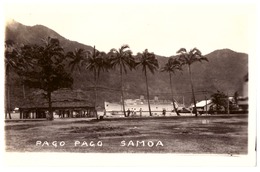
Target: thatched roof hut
(62,100)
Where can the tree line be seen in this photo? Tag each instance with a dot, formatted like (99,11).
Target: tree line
(43,67)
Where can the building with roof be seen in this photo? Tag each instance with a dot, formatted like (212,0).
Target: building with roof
(203,105)
(140,106)
(65,103)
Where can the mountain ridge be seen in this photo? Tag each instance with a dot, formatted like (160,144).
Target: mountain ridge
(34,34)
(224,71)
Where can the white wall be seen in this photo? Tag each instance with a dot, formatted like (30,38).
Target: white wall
(155,108)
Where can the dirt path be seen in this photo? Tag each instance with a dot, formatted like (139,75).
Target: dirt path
(205,134)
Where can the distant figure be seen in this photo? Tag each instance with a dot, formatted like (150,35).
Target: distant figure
(164,112)
(60,115)
(140,112)
(134,113)
(128,112)
(46,113)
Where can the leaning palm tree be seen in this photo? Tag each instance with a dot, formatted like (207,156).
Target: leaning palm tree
(171,66)
(147,60)
(122,58)
(188,58)
(96,62)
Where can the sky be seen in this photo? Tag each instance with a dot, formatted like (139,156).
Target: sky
(162,27)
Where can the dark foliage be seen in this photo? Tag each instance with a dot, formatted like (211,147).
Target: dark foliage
(48,72)
(220,99)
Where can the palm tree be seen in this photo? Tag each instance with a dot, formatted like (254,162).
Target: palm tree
(19,60)
(188,58)
(11,62)
(77,59)
(124,59)
(26,62)
(148,60)
(51,53)
(96,62)
(48,74)
(171,66)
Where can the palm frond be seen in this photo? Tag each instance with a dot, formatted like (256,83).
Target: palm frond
(121,57)
(113,51)
(123,47)
(181,50)
(172,65)
(193,56)
(204,59)
(148,60)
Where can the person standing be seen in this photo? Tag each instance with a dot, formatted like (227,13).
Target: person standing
(164,112)
(134,113)
(128,112)
(105,112)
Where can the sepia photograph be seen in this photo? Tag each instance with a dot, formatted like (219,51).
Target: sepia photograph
(121,80)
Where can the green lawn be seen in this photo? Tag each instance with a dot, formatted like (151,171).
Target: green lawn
(203,134)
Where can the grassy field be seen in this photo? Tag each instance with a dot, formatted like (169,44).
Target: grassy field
(204,134)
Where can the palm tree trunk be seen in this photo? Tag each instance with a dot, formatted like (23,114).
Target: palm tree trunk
(23,91)
(6,101)
(147,91)
(122,90)
(6,113)
(8,97)
(192,90)
(173,102)
(50,117)
(95,90)
(9,103)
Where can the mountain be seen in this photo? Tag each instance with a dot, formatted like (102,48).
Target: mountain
(22,34)
(224,71)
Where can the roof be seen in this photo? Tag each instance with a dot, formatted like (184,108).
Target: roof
(144,101)
(63,104)
(64,98)
(203,103)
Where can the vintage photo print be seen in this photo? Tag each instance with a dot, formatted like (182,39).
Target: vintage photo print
(132,83)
